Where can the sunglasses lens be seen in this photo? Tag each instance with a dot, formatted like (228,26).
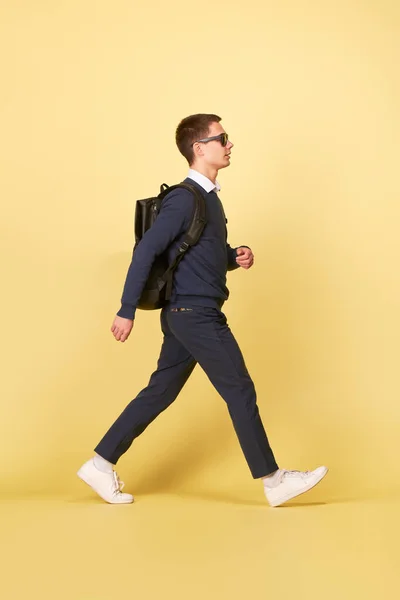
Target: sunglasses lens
(224,139)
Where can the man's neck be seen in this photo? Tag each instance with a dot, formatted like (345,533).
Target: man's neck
(208,172)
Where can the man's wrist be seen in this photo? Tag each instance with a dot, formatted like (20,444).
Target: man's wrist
(127,311)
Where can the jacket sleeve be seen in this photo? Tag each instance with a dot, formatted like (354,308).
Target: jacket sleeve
(232,255)
(173,220)
(232,264)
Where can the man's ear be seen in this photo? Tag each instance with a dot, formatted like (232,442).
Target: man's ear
(197,150)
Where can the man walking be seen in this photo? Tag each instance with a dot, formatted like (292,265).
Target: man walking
(195,330)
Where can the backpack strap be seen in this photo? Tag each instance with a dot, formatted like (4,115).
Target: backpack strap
(192,235)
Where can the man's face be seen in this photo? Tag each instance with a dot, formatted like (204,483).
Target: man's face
(214,153)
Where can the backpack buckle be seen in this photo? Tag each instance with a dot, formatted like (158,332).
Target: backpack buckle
(183,247)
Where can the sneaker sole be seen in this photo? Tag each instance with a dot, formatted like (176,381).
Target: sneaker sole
(81,476)
(299,493)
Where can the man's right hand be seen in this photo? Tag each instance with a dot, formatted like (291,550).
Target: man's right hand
(121,328)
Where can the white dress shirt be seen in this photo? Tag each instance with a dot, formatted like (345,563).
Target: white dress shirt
(206,184)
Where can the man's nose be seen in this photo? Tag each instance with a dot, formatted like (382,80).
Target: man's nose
(230,145)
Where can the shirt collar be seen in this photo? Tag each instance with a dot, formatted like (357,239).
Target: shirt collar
(202,180)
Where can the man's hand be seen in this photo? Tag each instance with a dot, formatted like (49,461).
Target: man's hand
(121,328)
(245,257)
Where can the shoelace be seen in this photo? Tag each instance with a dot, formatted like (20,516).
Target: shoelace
(296,473)
(117,483)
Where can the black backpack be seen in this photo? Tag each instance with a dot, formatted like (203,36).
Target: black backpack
(158,288)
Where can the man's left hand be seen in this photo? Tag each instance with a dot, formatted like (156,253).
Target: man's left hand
(244,257)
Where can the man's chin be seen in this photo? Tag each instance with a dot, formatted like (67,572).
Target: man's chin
(226,164)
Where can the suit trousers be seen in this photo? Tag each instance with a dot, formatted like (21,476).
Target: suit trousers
(196,335)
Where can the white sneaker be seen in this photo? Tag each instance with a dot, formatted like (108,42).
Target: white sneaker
(292,484)
(107,485)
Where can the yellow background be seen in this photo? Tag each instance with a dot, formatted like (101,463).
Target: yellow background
(309,94)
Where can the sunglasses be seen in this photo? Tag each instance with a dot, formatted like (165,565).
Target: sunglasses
(222,137)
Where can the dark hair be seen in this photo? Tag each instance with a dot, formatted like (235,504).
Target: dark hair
(190,130)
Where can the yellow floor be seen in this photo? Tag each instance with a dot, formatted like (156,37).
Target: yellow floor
(214,544)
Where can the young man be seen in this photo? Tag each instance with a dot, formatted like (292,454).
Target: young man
(195,330)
